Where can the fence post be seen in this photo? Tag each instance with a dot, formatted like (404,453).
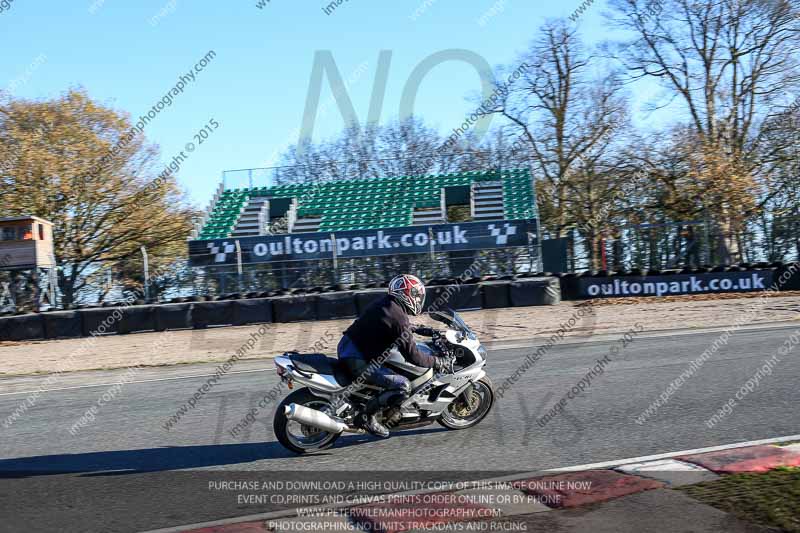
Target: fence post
(335,259)
(53,279)
(530,252)
(239,269)
(432,254)
(146,274)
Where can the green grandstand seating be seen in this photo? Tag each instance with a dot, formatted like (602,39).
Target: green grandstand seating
(373,203)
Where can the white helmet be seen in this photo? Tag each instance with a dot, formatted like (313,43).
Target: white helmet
(410,291)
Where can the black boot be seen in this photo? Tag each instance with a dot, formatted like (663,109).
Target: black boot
(369,420)
(371,424)
(387,399)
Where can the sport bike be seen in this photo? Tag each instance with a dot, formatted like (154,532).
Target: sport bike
(311,418)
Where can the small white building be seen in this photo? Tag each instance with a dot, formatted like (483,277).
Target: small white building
(26,243)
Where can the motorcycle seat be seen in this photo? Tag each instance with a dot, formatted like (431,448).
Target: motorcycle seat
(318,363)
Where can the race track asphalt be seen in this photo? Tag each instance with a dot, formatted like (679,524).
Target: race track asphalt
(126,472)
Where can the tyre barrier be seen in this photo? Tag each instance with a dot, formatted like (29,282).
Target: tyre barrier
(528,292)
(432,293)
(199,313)
(570,286)
(335,305)
(252,311)
(220,313)
(495,294)
(102,321)
(295,308)
(22,328)
(487,294)
(170,317)
(466,297)
(458,297)
(365,298)
(137,318)
(62,325)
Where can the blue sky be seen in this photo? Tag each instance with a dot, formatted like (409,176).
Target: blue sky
(129,54)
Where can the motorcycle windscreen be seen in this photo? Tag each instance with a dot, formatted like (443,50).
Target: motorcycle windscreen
(454,320)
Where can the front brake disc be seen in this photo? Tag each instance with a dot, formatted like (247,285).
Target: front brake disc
(465,408)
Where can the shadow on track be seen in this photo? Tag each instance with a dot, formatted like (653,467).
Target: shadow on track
(122,462)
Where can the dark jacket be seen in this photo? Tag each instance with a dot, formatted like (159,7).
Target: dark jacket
(382,324)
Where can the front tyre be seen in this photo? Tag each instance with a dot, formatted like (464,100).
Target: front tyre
(469,409)
(297,437)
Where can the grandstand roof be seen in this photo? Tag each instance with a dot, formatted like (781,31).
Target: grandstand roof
(371,203)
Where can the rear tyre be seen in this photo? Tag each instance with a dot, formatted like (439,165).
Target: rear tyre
(297,437)
(469,409)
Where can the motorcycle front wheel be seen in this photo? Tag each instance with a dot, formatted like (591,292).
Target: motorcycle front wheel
(470,407)
(297,437)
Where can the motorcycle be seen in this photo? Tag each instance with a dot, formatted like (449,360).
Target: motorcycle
(312,418)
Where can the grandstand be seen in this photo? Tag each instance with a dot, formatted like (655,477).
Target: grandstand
(368,204)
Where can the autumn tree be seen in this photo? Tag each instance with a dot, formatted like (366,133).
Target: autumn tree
(82,166)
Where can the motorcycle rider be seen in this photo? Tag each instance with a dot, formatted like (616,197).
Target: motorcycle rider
(385,325)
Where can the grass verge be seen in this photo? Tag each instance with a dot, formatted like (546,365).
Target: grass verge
(769,499)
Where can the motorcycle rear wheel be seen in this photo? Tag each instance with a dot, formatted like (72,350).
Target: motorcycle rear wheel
(466,412)
(297,437)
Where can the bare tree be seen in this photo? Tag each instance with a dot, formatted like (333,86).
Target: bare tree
(401,148)
(566,119)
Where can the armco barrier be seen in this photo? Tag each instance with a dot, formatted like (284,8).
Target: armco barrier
(62,324)
(22,327)
(206,314)
(173,316)
(335,305)
(254,311)
(295,308)
(535,291)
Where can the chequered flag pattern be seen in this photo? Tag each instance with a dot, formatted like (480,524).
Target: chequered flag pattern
(220,256)
(502,234)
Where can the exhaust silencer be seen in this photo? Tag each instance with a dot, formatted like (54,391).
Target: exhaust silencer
(312,417)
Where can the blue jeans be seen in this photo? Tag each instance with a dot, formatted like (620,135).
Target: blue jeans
(356,364)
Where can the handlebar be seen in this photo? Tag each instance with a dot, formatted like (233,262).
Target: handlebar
(425,331)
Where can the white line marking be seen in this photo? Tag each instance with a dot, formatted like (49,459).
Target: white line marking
(292,513)
(642,459)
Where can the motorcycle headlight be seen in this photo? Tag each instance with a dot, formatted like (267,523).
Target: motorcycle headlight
(482,351)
